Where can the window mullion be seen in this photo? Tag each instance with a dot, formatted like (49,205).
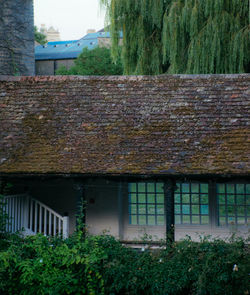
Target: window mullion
(213,204)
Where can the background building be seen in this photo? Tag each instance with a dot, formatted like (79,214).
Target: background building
(53,55)
(50,33)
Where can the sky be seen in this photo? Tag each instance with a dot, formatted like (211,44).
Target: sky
(71,17)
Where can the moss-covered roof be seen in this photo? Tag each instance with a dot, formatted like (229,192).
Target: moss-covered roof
(162,125)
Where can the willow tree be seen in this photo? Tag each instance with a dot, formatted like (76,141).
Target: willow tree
(180,36)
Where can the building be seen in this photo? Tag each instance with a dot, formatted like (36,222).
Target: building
(53,55)
(148,154)
(50,33)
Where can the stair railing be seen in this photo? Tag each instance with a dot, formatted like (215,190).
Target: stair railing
(34,216)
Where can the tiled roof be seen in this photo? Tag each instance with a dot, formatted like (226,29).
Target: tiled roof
(161,125)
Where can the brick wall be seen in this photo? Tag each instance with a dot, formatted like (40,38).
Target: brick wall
(158,125)
(16,37)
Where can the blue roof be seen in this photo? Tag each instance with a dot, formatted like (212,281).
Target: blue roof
(68,49)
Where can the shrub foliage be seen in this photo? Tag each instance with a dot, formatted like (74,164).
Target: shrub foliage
(86,264)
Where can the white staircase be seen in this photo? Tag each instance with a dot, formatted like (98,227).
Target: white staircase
(31,216)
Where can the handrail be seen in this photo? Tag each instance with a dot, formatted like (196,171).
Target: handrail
(34,216)
(47,208)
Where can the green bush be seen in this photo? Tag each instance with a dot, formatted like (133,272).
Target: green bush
(101,265)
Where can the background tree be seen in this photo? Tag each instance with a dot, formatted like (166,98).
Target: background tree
(180,36)
(95,62)
(39,37)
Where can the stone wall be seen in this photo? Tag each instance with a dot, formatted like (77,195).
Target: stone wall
(16,38)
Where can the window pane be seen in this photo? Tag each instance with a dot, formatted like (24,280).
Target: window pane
(222,211)
(204,220)
(222,220)
(230,188)
(231,220)
(133,198)
(195,209)
(142,219)
(186,219)
(248,210)
(178,187)
(195,199)
(132,187)
(186,198)
(241,220)
(230,199)
(177,219)
(240,200)
(204,209)
(141,198)
(151,187)
(247,188)
(185,187)
(195,219)
(204,188)
(240,211)
(160,220)
(160,209)
(151,220)
(185,209)
(142,209)
(133,209)
(160,198)
(240,188)
(248,199)
(151,198)
(133,219)
(221,188)
(141,187)
(222,199)
(177,209)
(230,210)
(177,198)
(159,188)
(195,187)
(204,199)
(151,209)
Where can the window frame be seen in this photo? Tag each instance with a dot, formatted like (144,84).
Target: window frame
(146,203)
(190,203)
(213,207)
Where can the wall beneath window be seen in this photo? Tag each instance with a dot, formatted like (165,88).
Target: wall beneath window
(195,233)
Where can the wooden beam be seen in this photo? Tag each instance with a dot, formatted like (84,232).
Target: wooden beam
(169,188)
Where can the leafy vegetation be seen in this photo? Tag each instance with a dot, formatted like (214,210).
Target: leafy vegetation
(101,265)
(95,62)
(181,36)
(39,37)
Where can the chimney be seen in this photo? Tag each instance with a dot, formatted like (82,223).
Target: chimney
(17,38)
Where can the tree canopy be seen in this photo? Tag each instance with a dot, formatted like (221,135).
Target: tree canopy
(180,36)
(95,62)
(39,37)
